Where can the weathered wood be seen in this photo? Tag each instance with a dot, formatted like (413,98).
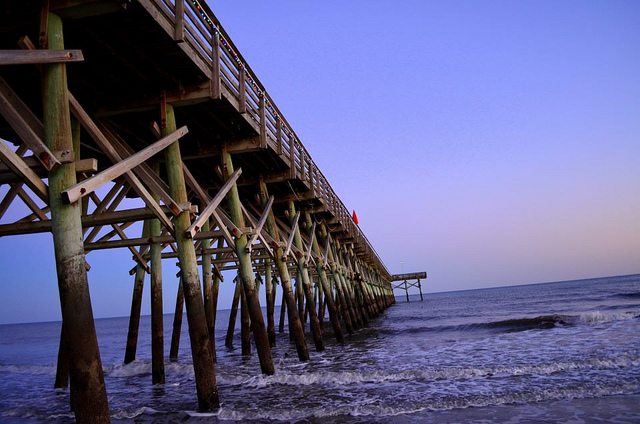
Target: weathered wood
(104,144)
(246,275)
(84,188)
(37,57)
(157,315)
(134,316)
(177,324)
(201,354)
(26,125)
(179,24)
(270,298)
(261,222)
(87,379)
(213,204)
(245,324)
(295,326)
(324,284)
(207,287)
(20,168)
(305,280)
(233,314)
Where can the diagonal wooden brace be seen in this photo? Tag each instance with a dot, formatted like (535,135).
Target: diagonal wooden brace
(213,204)
(313,236)
(257,231)
(17,165)
(261,221)
(292,233)
(25,124)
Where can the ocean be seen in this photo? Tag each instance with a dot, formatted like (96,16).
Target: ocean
(555,352)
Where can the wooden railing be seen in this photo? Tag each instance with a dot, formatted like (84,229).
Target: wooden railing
(193,22)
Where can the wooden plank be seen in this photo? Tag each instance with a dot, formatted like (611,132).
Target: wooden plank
(213,204)
(144,172)
(37,57)
(82,165)
(25,124)
(84,188)
(17,165)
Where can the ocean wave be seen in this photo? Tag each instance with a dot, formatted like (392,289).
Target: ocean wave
(344,378)
(630,295)
(379,409)
(542,322)
(28,369)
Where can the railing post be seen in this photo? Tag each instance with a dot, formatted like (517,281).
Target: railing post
(215,65)
(178,35)
(279,135)
(292,156)
(242,88)
(263,121)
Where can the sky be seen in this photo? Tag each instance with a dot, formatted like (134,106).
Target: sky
(487,143)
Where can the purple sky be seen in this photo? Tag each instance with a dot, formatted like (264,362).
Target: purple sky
(487,143)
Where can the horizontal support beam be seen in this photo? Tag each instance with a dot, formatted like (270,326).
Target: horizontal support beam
(89,166)
(104,218)
(409,276)
(37,57)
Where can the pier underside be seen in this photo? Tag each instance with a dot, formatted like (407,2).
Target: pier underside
(107,100)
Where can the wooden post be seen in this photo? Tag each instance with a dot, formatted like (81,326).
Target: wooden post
(207,288)
(245,324)
(420,288)
(406,290)
(87,379)
(270,295)
(347,286)
(283,307)
(324,284)
(346,315)
(203,365)
(228,341)
(177,324)
(288,302)
(157,318)
(62,370)
(134,317)
(246,274)
(319,301)
(303,272)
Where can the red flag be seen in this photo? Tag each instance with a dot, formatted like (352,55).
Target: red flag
(355,217)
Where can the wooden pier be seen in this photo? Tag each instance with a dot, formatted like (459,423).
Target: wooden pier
(106,104)
(406,281)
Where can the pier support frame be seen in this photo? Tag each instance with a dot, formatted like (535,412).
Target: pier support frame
(288,301)
(305,280)
(87,380)
(246,273)
(203,364)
